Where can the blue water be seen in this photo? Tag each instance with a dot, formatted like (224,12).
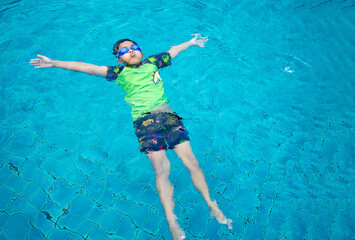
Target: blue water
(269,104)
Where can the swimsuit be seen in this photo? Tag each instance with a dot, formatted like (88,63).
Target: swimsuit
(154,130)
(144,92)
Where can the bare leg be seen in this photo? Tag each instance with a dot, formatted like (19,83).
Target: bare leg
(165,189)
(184,152)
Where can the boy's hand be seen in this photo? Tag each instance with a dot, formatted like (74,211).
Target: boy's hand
(198,40)
(41,62)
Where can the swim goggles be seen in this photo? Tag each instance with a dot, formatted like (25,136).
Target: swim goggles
(125,50)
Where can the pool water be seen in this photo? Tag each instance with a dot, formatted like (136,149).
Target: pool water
(269,104)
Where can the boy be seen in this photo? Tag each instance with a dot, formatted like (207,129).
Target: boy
(154,121)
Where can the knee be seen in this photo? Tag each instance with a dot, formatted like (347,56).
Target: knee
(162,169)
(162,172)
(191,162)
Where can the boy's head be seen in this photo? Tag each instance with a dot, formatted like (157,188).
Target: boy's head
(127,52)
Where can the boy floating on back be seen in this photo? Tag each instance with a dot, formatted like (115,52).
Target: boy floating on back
(156,125)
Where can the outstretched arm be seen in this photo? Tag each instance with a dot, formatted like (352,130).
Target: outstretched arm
(198,40)
(45,62)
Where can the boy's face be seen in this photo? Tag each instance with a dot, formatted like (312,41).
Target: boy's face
(132,57)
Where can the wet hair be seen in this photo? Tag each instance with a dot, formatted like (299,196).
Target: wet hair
(117,45)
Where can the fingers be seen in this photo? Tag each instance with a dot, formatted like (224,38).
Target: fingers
(41,62)
(38,63)
(200,43)
(199,36)
(198,40)
(35,61)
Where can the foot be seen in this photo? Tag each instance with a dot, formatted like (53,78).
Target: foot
(177,233)
(217,214)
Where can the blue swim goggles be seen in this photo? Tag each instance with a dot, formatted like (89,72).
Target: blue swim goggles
(125,50)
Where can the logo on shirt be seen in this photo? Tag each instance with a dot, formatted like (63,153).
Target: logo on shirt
(156,78)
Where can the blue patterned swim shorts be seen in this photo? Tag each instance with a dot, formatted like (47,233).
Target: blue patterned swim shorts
(156,130)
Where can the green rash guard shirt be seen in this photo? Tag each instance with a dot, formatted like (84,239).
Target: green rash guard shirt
(142,85)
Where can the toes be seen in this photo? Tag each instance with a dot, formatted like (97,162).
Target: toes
(182,237)
(229,224)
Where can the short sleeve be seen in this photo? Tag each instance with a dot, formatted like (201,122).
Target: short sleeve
(113,72)
(161,60)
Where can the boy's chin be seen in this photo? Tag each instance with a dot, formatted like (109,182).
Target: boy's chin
(132,63)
